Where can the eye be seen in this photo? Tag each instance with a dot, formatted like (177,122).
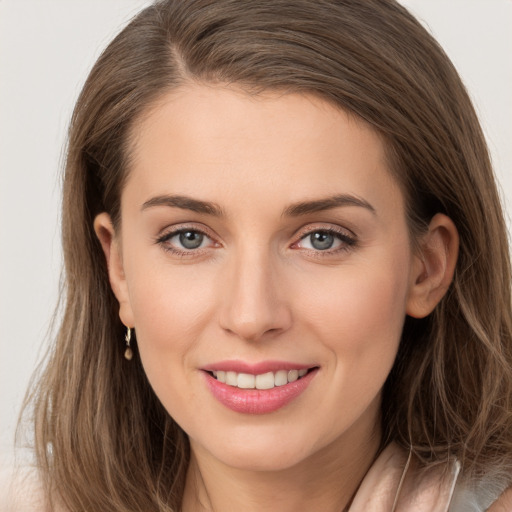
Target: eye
(189,239)
(185,240)
(320,240)
(327,240)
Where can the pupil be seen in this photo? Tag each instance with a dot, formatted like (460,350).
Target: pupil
(322,240)
(191,239)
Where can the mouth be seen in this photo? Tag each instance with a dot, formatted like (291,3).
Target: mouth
(262,381)
(258,389)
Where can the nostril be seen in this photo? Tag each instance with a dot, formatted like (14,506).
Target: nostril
(252,331)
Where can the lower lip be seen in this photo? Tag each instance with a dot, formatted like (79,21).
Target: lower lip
(258,401)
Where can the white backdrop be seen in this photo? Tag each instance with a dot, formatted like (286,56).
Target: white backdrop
(46,50)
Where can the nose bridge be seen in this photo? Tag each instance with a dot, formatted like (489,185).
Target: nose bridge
(252,304)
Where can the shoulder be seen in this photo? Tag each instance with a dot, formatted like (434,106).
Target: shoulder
(503,503)
(21,491)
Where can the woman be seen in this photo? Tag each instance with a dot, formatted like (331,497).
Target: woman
(284,216)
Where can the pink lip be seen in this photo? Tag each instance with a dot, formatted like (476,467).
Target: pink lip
(258,401)
(256,368)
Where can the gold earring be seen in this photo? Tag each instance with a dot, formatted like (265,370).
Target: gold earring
(128,353)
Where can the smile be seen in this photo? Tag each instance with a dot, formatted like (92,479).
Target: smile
(257,389)
(266,380)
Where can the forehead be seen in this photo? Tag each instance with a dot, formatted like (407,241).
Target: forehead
(214,140)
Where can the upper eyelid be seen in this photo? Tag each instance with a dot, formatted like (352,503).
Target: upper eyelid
(333,228)
(343,238)
(180,228)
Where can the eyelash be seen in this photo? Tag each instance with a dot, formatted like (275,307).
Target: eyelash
(348,242)
(164,239)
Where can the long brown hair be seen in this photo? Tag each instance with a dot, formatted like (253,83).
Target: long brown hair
(103,440)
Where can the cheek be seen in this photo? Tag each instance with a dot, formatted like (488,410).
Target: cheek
(171,306)
(359,306)
(359,315)
(171,311)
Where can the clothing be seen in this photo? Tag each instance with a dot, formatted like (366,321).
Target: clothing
(395,483)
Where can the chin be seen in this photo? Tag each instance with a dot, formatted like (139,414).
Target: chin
(260,450)
(255,460)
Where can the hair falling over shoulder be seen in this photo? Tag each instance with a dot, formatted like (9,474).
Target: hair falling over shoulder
(103,441)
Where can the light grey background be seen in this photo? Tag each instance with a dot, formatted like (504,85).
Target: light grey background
(46,50)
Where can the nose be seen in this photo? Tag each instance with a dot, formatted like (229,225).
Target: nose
(254,305)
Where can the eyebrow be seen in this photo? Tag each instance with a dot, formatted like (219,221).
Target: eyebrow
(185,203)
(294,210)
(328,203)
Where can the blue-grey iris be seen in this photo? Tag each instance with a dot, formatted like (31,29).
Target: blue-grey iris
(322,240)
(191,239)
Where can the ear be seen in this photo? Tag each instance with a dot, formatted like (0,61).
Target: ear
(433,267)
(110,243)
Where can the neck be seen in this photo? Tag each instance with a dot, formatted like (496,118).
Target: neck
(327,480)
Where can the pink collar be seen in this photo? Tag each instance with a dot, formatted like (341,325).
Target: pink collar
(395,483)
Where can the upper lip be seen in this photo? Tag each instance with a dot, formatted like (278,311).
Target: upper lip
(255,368)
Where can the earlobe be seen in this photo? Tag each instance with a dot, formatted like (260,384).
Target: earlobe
(106,234)
(433,267)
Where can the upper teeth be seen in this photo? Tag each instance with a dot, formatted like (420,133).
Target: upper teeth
(262,381)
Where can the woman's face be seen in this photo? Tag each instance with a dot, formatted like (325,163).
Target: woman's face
(263,241)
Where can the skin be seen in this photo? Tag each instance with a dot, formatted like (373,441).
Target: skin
(258,289)
(504,504)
